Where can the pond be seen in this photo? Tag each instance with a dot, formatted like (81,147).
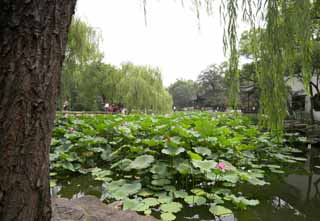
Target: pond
(184,166)
(293,196)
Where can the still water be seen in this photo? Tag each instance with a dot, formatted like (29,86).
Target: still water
(294,196)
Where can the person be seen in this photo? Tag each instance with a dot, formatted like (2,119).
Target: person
(106,107)
(65,105)
(174,108)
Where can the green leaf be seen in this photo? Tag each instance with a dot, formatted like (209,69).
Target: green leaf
(173,151)
(159,168)
(151,202)
(141,162)
(203,151)
(134,205)
(204,165)
(180,194)
(184,168)
(167,216)
(160,182)
(220,211)
(172,207)
(198,192)
(194,156)
(195,200)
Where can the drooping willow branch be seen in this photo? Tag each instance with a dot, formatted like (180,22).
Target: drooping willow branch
(282,34)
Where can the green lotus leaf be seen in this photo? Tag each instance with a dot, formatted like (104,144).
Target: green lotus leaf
(134,205)
(160,168)
(172,207)
(53,182)
(204,165)
(202,151)
(256,181)
(241,202)
(122,164)
(229,177)
(150,142)
(160,182)
(145,192)
(195,200)
(173,151)
(198,192)
(194,156)
(141,162)
(151,202)
(121,189)
(184,168)
(165,199)
(170,188)
(180,194)
(167,216)
(220,211)
(147,212)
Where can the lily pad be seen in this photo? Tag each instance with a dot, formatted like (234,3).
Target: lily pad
(173,151)
(203,151)
(195,200)
(167,216)
(141,162)
(220,211)
(172,207)
(151,202)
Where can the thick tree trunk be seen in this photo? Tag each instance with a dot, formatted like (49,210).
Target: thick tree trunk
(33,36)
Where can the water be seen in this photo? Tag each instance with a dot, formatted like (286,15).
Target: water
(294,196)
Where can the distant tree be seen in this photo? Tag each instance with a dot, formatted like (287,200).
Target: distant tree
(183,93)
(82,53)
(141,89)
(212,85)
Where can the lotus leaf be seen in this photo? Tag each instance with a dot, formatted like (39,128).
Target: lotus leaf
(159,168)
(173,151)
(141,162)
(167,216)
(151,202)
(220,211)
(198,192)
(180,194)
(202,151)
(160,182)
(204,165)
(194,156)
(195,200)
(172,207)
(134,205)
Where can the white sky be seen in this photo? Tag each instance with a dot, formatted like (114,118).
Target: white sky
(170,41)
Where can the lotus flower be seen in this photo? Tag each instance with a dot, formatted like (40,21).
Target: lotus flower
(221,166)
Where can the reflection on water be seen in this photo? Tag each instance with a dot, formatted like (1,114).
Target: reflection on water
(290,197)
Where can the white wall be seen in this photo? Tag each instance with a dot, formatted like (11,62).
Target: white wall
(296,85)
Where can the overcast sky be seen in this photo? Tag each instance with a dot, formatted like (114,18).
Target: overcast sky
(171,40)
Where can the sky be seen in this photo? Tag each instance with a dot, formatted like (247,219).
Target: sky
(171,40)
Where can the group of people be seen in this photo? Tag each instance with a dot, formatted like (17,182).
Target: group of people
(114,108)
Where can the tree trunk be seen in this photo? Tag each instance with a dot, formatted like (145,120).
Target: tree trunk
(33,37)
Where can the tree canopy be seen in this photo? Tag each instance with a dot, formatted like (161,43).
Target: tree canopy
(88,83)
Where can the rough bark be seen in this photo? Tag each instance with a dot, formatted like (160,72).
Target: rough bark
(33,36)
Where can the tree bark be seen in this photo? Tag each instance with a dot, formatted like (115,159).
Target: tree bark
(33,37)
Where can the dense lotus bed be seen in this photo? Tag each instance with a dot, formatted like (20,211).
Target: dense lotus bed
(157,164)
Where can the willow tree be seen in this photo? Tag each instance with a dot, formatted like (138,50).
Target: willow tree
(33,39)
(288,32)
(141,89)
(82,53)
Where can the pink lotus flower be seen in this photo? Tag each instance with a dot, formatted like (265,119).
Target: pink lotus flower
(221,166)
(72,129)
